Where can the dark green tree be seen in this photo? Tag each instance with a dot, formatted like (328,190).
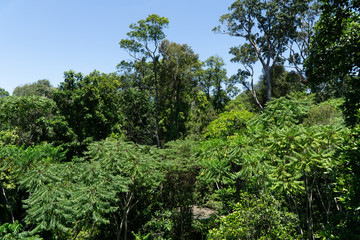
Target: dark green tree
(177,88)
(136,102)
(215,77)
(90,105)
(280,154)
(139,121)
(39,88)
(334,60)
(70,200)
(257,218)
(15,163)
(344,224)
(32,119)
(144,41)
(15,231)
(178,193)
(3,93)
(142,177)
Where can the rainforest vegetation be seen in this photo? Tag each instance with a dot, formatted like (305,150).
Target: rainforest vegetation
(171,147)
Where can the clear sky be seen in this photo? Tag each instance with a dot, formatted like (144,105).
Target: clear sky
(40,39)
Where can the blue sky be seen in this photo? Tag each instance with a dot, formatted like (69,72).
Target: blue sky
(40,39)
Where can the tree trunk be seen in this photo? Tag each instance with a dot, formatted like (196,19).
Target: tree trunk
(252,90)
(266,67)
(268,84)
(177,111)
(156,103)
(124,218)
(309,215)
(7,202)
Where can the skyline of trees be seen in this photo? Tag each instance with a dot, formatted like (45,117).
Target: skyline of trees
(168,147)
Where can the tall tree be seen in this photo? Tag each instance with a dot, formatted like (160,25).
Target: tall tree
(90,104)
(215,76)
(177,87)
(246,55)
(137,101)
(333,66)
(144,40)
(267,27)
(300,45)
(282,84)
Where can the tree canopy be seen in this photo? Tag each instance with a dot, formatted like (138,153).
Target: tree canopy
(168,147)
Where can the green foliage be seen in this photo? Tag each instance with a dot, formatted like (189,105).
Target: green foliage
(352,101)
(215,163)
(15,163)
(4,93)
(136,102)
(286,111)
(213,81)
(158,228)
(128,160)
(300,45)
(281,152)
(145,39)
(267,27)
(90,105)
(333,52)
(302,160)
(177,86)
(333,63)
(283,83)
(138,167)
(300,157)
(256,218)
(40,88)
(32,119)
(325,113)
(8,137)
(139,120)
(347,187)
(200,115)
(70,198)
(228,123)
(69,171)
(13,231)
(146,31)
(179,188)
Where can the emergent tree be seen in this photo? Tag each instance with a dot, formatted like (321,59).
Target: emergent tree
(267,27)
(144,41)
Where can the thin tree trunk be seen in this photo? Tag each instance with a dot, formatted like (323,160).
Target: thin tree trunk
(128,205)
(252,90)
(268,84)
(294,209)
(125,224)
(156,103)
(309,215)
(266,67)
(177,103)
(7,202)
